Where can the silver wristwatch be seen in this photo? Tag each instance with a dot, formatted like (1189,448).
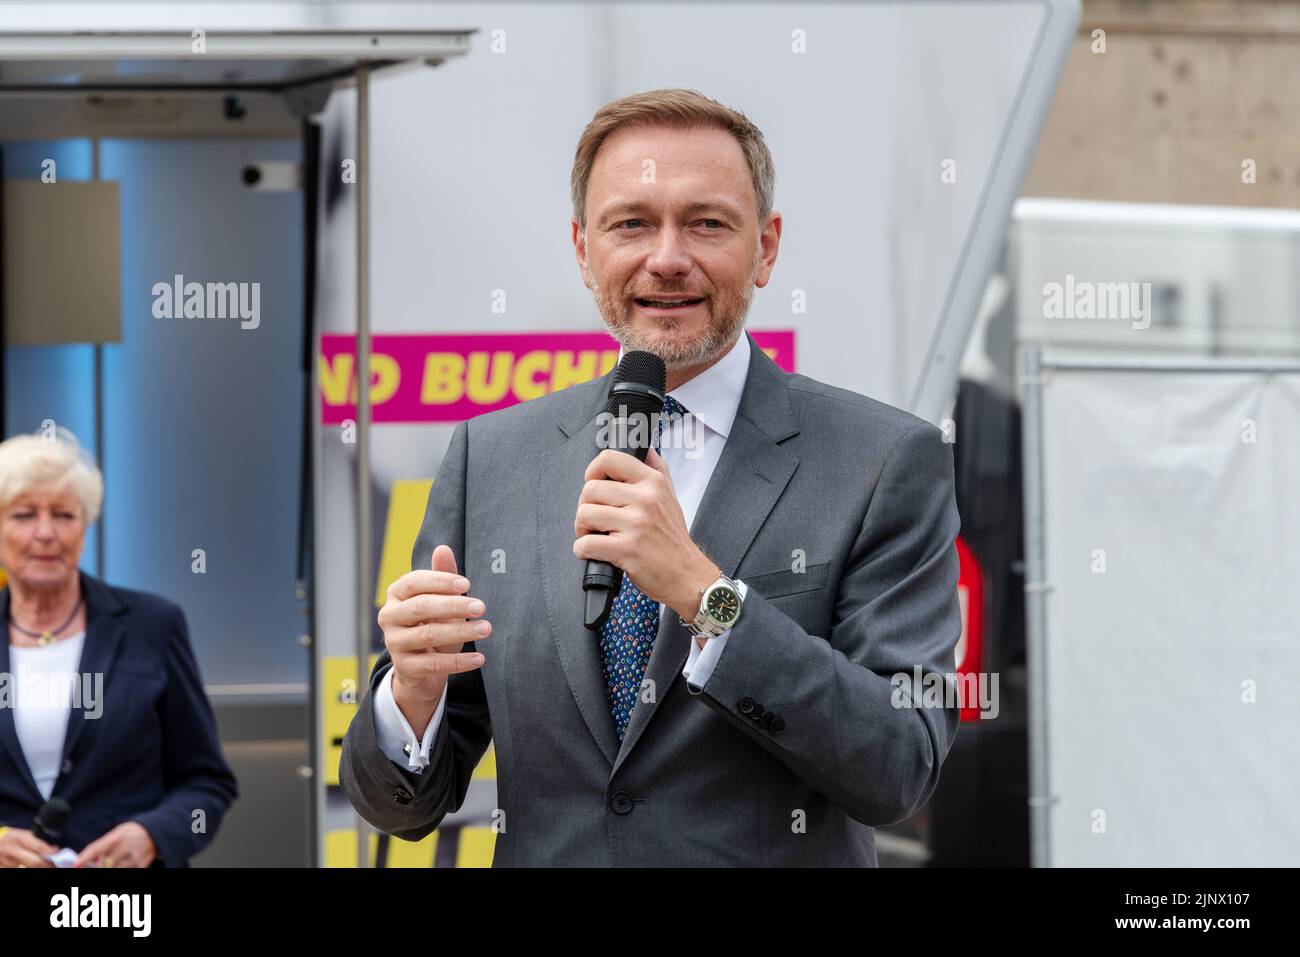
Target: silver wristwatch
(720,604)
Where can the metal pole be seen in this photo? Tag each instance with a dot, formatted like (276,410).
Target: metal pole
(1064,360)
(1036,589)
(365,610)
(99,395)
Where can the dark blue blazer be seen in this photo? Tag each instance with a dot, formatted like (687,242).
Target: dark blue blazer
(152,756)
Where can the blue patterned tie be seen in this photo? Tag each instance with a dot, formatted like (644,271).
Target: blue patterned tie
(628,635)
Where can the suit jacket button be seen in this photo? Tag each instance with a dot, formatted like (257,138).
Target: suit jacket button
(620,802)
(745,704)
(402,796)
(67,766)
(766,720)
(757,713)
(777,726)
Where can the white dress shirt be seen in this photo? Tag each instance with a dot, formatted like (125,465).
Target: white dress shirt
(691,452)
(44,676)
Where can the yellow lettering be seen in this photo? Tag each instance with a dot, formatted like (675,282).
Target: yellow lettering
(444,378)
(480,389)
(385,376)
(335,377)
(524,381)
(567,372)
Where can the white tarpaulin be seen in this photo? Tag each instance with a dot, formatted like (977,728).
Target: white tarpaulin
(1172,527)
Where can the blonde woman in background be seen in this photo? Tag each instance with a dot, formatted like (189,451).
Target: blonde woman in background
(101,704)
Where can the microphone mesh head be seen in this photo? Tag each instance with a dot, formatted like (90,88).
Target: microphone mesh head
(644,368)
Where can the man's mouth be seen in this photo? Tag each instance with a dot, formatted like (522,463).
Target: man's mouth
(668,304)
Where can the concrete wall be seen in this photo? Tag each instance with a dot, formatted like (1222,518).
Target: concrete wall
(1182,95)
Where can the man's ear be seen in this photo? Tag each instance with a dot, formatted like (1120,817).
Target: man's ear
(580,250)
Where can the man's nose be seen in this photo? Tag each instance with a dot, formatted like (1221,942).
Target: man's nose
(669,256)
(44,525)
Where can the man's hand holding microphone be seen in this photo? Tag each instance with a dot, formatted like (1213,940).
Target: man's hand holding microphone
(427,620)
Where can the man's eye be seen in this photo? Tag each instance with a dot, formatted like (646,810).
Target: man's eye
(716,223)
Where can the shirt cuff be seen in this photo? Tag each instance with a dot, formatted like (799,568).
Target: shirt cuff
(700,663)
(396,738)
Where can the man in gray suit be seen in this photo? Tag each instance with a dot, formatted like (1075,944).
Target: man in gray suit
(760,694)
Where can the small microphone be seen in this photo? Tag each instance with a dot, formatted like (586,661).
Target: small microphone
(48,825)
(636,400)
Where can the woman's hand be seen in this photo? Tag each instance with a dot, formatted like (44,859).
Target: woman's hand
(127,845)
(19,848)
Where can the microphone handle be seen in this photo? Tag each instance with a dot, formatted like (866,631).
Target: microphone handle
(600,586)
(601,583)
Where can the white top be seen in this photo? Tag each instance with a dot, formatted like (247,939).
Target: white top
(45,678)
(691,453)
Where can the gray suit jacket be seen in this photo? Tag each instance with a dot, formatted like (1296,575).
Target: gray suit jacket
(797,745)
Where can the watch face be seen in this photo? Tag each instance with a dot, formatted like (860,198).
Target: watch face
(722,605)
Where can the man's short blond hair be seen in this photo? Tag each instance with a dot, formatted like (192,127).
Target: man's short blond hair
(678,109)
(54,461)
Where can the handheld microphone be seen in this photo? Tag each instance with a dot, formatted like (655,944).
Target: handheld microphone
(49,821)
(636,400)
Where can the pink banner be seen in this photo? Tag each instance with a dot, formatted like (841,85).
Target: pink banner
(451,377)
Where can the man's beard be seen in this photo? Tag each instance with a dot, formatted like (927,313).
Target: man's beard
(727,312)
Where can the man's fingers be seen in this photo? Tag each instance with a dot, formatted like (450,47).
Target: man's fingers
(619,466)
(428,582)
(605,492)
(418,667)
(429,609)
(441,577)
(433,635)
(598,518)
(444,559)
(426,608)
(656,462)
(601,548)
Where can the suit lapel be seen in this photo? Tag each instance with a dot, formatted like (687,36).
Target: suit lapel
(559,483)
(749,478)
